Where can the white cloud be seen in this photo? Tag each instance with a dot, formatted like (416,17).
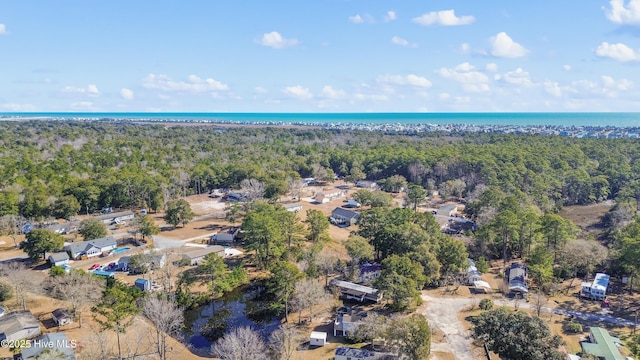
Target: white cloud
(357,19)
(391,15)
(411,80)
(402,42)
(444,96)
(373,97)
(83,105)
(331,93)
(503,46)
(611,83)
(276,41)
(259,90)
(552,88)
(476,88)
(464,73)
(91,90)
(443,18)
(298,92)
(518,77)
(18,107)
(566,67)
(3,30)
(625,14)
(465,48)
(126,94)
(492,67)
(193,84)
(618,51)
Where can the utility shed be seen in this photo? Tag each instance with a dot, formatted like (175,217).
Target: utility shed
(318,338)
(143,284)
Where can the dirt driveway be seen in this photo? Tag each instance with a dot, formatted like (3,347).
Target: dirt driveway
(442,314)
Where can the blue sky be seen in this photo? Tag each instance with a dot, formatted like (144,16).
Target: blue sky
(319,56)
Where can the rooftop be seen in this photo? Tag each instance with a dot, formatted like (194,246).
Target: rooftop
(78,247)
(604,345)
(194,254)
(355,287)
(345,213)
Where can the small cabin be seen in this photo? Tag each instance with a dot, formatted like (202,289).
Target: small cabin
(143,284)
(61,317)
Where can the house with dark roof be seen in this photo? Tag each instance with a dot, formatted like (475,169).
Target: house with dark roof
(91,248)
(58,259)
(602,345)
(341,216)
(19,325)
(61,317)
(369,272)
(50,342)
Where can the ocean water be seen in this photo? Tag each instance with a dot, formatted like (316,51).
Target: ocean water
(618,119)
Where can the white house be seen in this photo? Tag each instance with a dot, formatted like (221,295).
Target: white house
(293,207)
(58,259)
(347,323)
(598,289)
(91,248)
(19,325)
(226,236)
(318,338)
(116,218)
(447,210)
(366,184)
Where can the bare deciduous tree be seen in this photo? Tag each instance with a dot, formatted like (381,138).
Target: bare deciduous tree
(539,301)
(167,318)
(21,279)
(139,340)
(79,288)
(308,293)
(584,255)
(253,189)
(284,341)
(296,187)
(240,344)
(97,344)
(327,262)
(10,225)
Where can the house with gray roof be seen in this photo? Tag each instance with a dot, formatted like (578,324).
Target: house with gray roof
(114,218)
(58,259)
(19,325)
(344,216)
(91,248)
(195,257)
(52,342)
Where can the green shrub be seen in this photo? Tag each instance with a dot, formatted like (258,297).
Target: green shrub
(486,304)
(5,292)
(56,271)
(574,327)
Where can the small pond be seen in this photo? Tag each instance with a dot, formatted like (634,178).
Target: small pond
(236,309)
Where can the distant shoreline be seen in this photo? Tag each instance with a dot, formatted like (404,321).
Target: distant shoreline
(578,125)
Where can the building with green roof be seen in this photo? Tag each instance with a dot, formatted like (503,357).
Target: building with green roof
(602,345)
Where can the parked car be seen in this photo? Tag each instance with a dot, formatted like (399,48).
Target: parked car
(111,266)
(94,266)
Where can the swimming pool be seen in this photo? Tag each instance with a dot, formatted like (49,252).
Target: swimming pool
(120,250)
